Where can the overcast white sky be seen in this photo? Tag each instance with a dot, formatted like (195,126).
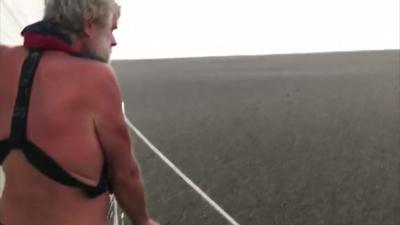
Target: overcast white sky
(190,28)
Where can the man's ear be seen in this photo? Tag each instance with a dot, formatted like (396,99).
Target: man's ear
(89,28)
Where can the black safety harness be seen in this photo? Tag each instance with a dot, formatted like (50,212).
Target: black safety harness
(18,140)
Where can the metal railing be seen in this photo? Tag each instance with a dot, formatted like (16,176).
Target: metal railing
(115,215)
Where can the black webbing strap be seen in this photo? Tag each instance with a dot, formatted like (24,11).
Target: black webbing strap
(4,150)
(20,115)
(18,123)
(51,169)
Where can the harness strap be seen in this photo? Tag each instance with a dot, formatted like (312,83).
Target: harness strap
(4,150)
(54,171)
(20,114)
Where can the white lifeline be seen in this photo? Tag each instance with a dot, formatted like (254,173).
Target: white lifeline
(178,172)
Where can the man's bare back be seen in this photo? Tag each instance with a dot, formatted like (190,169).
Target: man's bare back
(62,122)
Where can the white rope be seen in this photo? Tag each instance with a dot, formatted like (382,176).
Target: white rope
(115,217)
(179,172)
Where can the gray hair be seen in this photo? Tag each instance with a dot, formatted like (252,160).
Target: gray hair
(69,15)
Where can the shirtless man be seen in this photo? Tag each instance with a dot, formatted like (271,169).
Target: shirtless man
(75,118)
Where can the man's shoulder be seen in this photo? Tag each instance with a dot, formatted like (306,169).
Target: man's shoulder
(97,75)
(92,66)
(10,52)
(2,47)
(5,48)
(82,67)
(101,72)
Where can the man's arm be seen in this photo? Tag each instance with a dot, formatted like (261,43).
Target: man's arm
(114,137)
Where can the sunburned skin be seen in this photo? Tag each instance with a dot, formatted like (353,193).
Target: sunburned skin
(60,121)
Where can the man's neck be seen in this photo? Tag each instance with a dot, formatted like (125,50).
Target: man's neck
(78,45)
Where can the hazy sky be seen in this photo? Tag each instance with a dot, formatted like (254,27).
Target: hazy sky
(187,28)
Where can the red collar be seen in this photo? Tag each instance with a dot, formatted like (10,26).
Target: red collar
(47,35)
(37,40)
